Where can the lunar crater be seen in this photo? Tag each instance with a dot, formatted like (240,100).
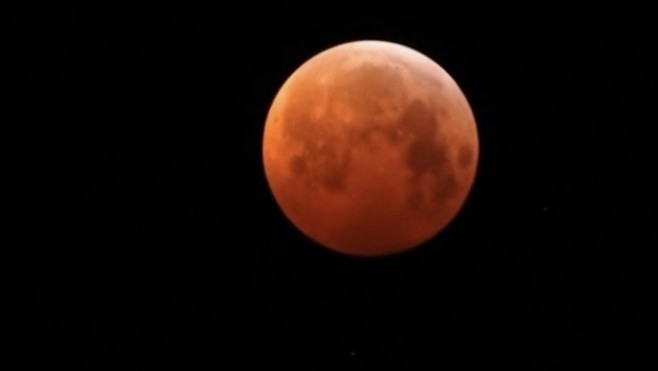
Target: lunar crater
(466,156)
(321,165)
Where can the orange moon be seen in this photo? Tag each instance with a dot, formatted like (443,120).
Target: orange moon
(370,148)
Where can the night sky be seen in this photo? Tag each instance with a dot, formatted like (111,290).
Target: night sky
(142,231)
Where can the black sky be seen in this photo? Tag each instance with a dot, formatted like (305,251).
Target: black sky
(142,230)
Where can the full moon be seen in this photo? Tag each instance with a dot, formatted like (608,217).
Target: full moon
(370,148)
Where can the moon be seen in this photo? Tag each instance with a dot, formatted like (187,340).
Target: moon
(370,148)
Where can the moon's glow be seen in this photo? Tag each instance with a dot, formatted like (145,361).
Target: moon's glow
(370,148)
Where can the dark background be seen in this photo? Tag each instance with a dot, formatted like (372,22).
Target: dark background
(142,231)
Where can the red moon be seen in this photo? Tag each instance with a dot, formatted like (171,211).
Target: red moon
(370,148)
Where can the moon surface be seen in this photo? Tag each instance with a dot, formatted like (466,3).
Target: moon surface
(370,148)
